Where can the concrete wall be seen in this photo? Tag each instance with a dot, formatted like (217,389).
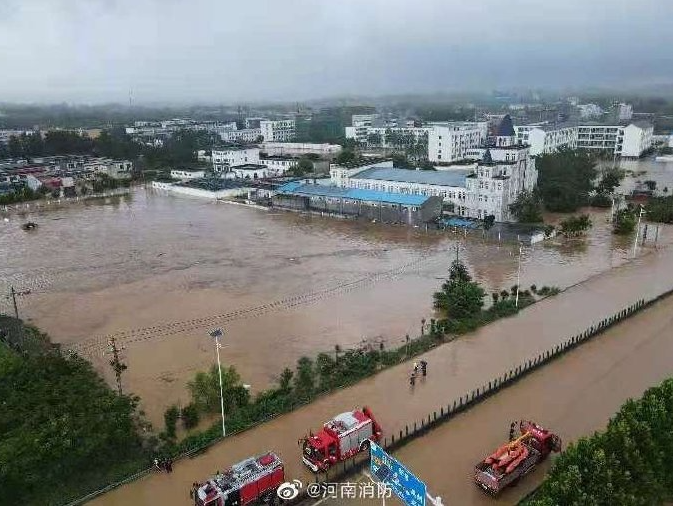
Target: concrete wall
(198,192)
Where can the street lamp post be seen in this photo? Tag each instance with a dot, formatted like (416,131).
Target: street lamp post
(217,333)
(518,278)
(635,242)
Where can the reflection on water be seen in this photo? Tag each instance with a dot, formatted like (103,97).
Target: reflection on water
(158,271)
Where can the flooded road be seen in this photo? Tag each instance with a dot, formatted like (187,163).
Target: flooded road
(159,271)
(573,396)
(454,369)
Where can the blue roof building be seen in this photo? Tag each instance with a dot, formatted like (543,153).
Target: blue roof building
(355,202)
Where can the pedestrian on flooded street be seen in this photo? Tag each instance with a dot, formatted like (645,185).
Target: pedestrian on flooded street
(415,368)
(412,380)
(168,465)
(156,464)
(424,368)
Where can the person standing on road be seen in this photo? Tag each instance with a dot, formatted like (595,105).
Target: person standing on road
(424,367)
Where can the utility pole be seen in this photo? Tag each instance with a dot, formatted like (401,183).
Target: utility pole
(518,278)
(635,241)
(117,365)
(13,295)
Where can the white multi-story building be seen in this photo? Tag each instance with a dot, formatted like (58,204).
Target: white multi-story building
(628,141)
(245,135)
(385,135)
(544,138)
(602,137)
(636,139)
(500,174)
(225,158)
(624,112)
(360,125)
(277,165)
(448,142)
(277,130)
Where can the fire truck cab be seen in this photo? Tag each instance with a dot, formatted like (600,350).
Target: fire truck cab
(340,438)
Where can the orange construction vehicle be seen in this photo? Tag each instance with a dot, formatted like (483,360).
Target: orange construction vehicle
(517,458)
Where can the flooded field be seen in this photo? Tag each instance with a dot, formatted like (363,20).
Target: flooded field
(157,272)
(582,391)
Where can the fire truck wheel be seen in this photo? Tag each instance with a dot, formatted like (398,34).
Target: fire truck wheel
(364,446)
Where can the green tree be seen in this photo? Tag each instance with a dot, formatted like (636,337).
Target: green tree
(528,207)
(285,381)
(345,156)
(302,167)
(460,297)
(59,417)
(575,225)
(304,379)
(205,390)
(624,222)
(660,209)
(610,179)
(565,179)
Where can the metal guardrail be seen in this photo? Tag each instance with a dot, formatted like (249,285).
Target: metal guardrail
(470,399)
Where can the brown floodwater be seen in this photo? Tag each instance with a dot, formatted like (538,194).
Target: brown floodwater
(157,272)
(573,396)
(455,369)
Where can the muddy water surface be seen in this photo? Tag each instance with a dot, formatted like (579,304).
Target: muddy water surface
(159,271)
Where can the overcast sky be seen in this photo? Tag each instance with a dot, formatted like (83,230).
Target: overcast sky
(224,51)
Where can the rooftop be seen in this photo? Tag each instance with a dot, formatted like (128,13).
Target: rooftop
(361,162)
(506,128)
(316,190)
(453,177)
(248,166)
(214,184)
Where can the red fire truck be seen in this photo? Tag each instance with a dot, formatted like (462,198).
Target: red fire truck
(517,458)
(340,439)
(253,479)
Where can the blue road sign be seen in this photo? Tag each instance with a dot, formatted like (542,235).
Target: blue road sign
(386,469)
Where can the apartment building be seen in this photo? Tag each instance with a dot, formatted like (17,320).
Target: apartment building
(224,158)
(247,135)
(277,130)
(629,141)
(449,142)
